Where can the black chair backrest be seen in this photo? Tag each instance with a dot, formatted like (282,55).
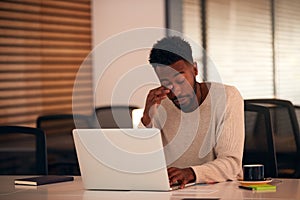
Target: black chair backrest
(23,151)
(297,110)
(114,116)
(62,157)
(259,146)
(285,129)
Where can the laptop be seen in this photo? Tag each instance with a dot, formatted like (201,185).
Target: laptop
(122,159)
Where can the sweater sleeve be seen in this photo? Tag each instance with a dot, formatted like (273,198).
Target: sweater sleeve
(229,147)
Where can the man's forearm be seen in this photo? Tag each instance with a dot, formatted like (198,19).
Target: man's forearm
(146,121)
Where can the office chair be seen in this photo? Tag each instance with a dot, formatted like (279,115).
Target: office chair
(62,157)
(114,116)
(297,110)
(22,151)
(285,134)
(259,146)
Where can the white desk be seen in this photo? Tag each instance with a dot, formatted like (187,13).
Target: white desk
(288,189)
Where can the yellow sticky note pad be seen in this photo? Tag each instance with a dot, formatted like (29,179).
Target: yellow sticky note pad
(263,187)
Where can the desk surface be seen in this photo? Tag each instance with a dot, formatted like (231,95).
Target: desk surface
(286,189)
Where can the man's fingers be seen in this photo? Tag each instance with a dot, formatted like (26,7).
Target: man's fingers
(182,176)
(161,92)
(157,95)
(159,99)
(175,179)
(172,169)
(154,98)
(183,183)
(175,175)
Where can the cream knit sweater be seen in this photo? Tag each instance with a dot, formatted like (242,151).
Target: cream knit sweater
(209,139)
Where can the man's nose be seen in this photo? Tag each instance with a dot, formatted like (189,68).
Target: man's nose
(176,90)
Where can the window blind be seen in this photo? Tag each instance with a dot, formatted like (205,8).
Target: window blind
(287,43)
(191,27)
(42,45)
(192,20)
(239,41)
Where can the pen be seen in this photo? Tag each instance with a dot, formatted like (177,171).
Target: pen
(245,187)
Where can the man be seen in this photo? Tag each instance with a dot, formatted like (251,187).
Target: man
(202,124)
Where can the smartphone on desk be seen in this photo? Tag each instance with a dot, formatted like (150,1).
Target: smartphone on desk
(199,198)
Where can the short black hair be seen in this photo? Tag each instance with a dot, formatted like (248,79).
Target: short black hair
(170,50)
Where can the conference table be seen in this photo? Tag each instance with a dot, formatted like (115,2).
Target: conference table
(286,189)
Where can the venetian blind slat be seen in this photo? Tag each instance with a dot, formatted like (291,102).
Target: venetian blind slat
(32,59)
(43,27)
(31,34)
(36,84)
(46,19)
(20,105)
(23,96)
(81,5)
(28,41)
(45,51)
(41,7)
(37,68)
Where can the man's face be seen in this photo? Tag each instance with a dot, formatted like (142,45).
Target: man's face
(180,78)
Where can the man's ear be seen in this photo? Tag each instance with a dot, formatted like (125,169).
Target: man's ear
(195,68)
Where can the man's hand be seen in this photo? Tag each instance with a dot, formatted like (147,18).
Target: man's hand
(154,98)
(182,176)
